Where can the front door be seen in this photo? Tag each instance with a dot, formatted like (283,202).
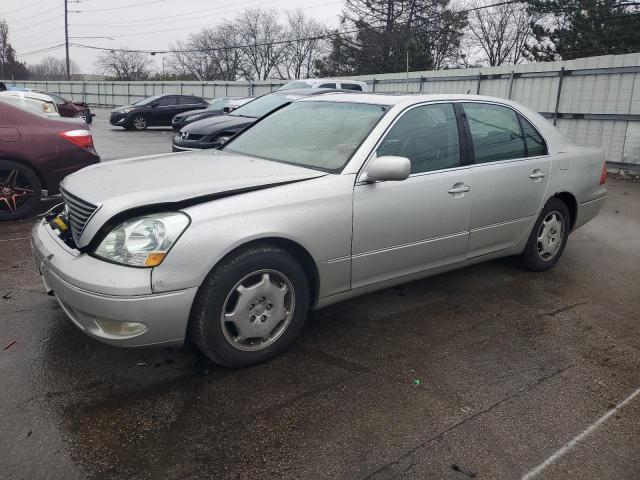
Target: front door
(510,176)
(405,227)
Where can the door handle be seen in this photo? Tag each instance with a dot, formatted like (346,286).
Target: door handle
(459,188)
(537,174)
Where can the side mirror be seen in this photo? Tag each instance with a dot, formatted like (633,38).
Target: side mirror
(226,109)
(387,168)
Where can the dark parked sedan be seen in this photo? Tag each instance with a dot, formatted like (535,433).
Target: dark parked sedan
(67,108)
(215,109)
(154,111)
(213,132)
(36,153)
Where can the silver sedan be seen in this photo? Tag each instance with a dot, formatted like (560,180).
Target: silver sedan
(328,198)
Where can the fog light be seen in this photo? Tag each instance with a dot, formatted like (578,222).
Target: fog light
(121,329)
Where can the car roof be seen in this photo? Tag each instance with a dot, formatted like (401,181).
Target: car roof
(308,91)
(384,99)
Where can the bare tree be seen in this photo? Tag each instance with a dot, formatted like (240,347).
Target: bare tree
(51,68)
(307,45)
(125,65)
(210,54)
(261,35)
(500,32)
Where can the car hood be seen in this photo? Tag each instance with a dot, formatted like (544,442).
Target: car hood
(172,181)
(191,112)
(210,125)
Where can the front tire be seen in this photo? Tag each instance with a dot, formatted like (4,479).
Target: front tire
(548,237)
(251,307)
(139,122)
(20,191)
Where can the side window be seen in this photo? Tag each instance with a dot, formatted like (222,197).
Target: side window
(426,135)
(327,85)
(167,101)
(495,132)
(535,143)
(351,86)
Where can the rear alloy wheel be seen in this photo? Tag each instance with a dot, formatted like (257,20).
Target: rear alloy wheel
(20,191)
(251,307)
(548,237)
(139,122)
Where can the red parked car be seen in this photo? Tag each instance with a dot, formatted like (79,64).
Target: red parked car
(67,108)
(36,153)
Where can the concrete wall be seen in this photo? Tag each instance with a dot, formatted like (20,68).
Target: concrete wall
(595,101)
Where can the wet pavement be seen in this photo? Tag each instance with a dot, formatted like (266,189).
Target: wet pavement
(485,372)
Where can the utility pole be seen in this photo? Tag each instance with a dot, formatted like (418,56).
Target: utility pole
(66,37)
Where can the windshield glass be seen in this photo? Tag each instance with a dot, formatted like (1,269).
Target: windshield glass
(319,135)
(146,101)
(263,105)
(290,85)
(218,103)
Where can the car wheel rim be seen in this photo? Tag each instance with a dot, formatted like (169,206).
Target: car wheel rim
(82,116)
(14,191)
(258,310)
(140,123)
(550,236)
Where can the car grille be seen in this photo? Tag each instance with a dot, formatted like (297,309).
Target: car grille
(78,211)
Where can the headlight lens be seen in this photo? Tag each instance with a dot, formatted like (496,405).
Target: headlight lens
(48,108)
(143,241)
(125,110)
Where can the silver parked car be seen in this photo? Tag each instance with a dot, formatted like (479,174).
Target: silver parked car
(325,199)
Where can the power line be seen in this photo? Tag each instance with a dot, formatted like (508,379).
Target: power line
(24,7)
(120,8)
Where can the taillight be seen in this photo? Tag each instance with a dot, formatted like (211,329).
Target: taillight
(81,138)
(603,176)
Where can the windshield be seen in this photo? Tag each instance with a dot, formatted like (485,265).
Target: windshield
(263,105)
(319,135)
(146,101)
(291,85)
(218,103)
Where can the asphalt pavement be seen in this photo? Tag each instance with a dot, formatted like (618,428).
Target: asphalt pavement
(487,372)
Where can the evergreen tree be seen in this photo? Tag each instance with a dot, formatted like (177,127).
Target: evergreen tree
(378,36)
(583,28)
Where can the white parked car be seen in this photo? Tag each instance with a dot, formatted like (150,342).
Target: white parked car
(46,104)
(354,85)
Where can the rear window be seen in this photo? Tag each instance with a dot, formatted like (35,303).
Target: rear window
(351,86)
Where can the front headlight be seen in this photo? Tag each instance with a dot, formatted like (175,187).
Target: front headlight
(125,110)
(48,108)
(143,241)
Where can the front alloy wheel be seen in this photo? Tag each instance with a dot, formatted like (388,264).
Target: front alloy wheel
(251,306)
(258,310)
(139,122)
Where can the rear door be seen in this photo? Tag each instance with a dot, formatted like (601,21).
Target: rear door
(510,176)
(406,227)
(163,112)
(186,103)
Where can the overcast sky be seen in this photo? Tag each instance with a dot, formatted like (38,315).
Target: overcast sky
(136,24)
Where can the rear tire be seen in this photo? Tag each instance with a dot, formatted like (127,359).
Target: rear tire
(251,307)
(20,191)
(548,237)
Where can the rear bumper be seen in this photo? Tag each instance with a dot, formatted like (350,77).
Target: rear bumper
(589,210)
(165,315)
